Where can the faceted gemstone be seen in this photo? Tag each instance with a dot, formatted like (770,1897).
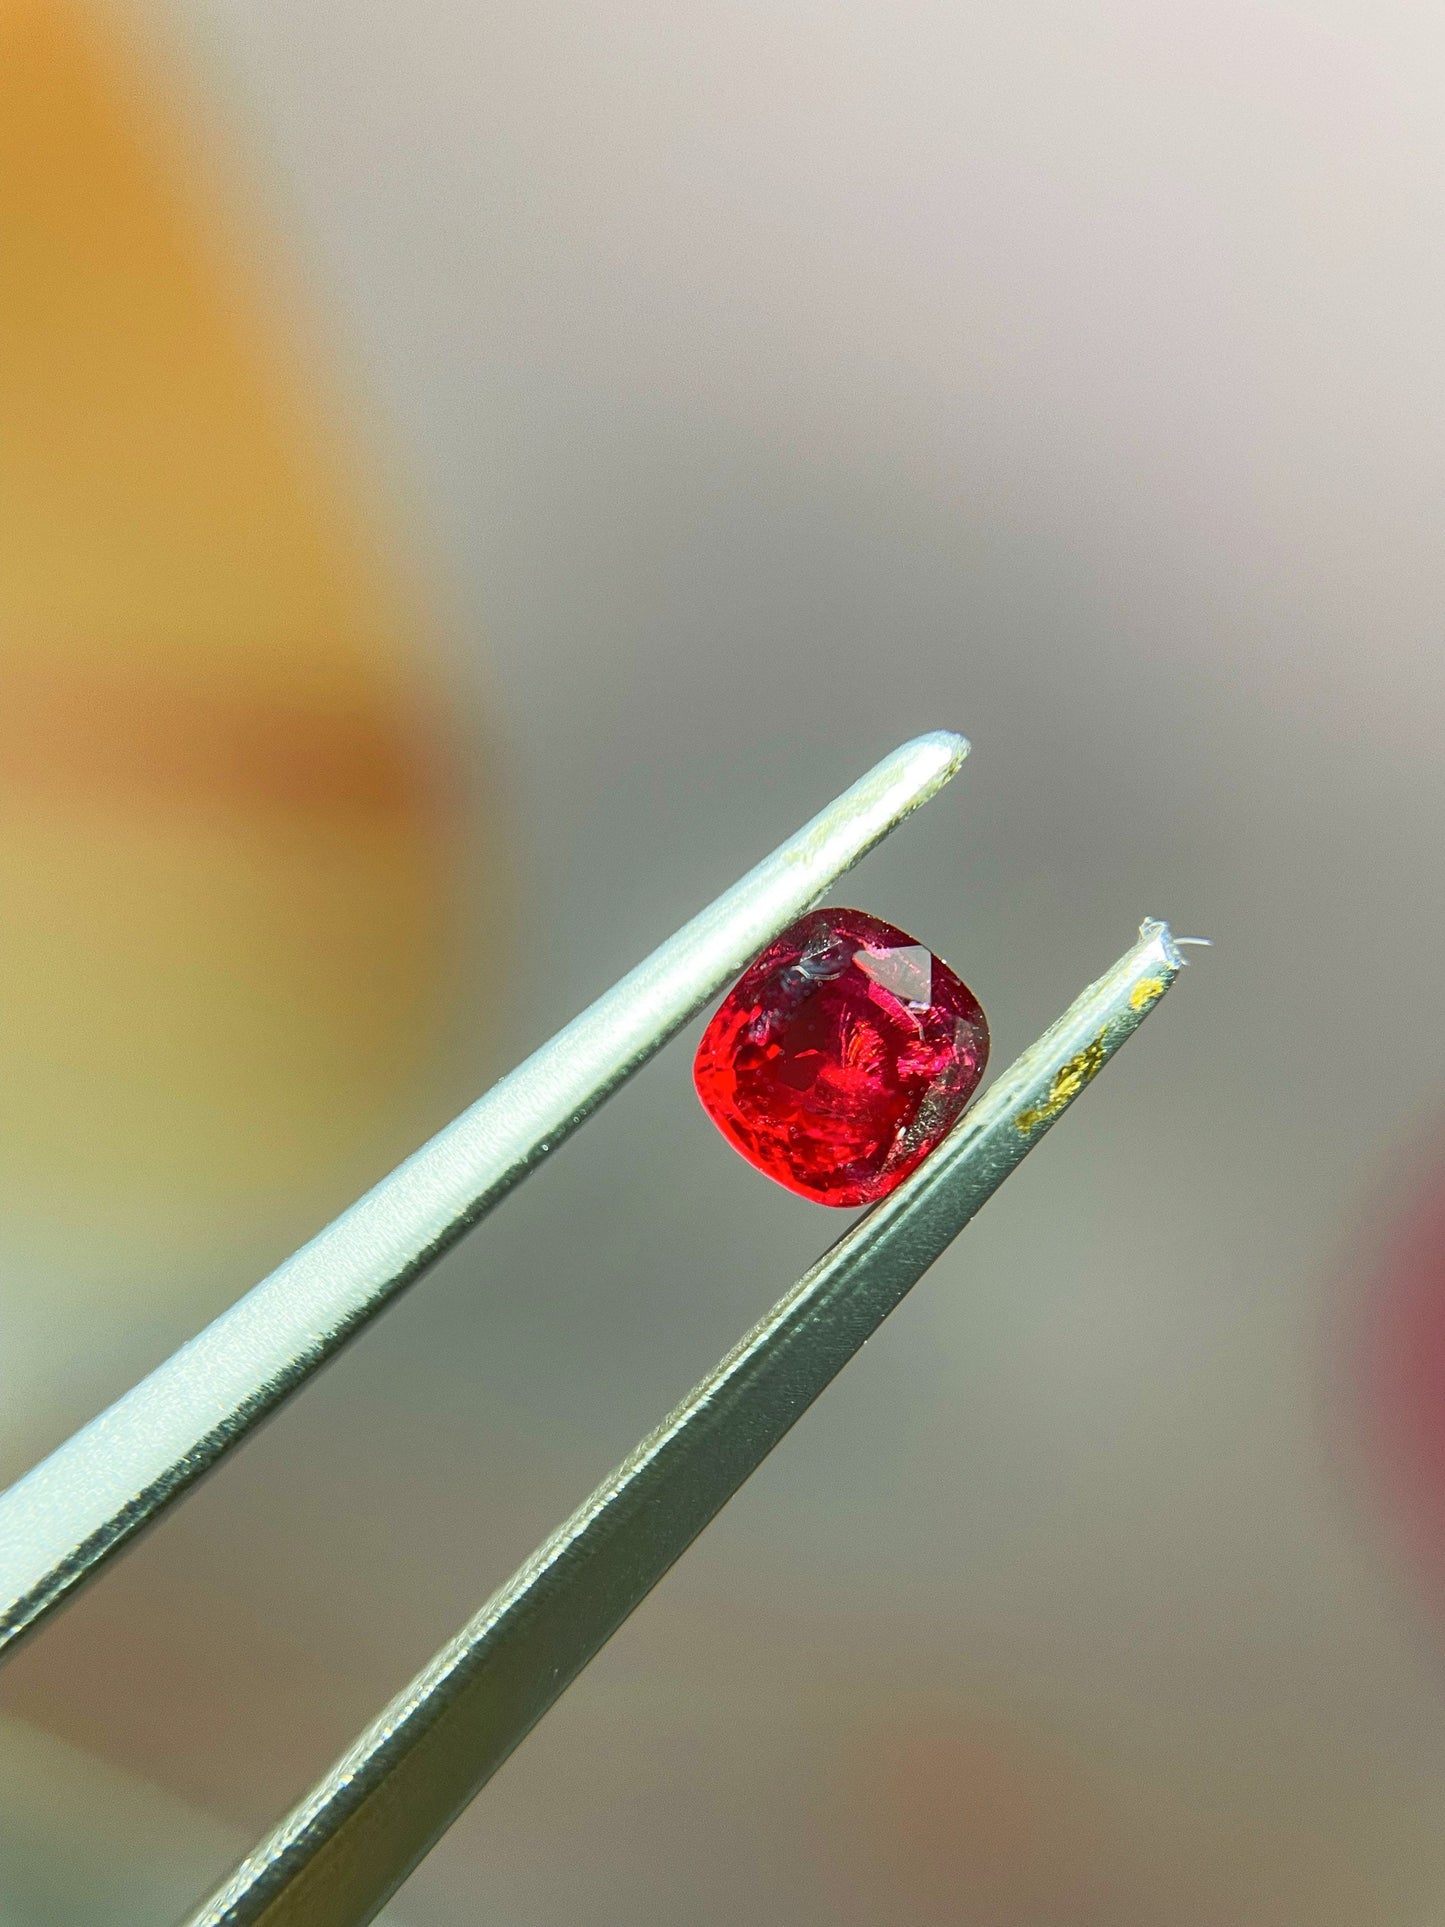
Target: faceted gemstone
(839,1060)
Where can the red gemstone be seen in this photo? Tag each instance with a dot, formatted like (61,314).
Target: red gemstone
(842,1056)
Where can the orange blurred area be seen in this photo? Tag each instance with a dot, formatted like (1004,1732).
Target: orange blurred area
(232,829)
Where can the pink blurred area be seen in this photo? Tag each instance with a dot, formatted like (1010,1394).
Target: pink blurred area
(734,392)
(1393,1348)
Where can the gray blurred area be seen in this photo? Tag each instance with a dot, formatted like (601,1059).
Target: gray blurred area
(776,383)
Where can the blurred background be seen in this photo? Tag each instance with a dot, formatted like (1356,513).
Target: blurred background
(474,479)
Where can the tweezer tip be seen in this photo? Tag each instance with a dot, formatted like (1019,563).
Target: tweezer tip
(944,748)
(1153,928)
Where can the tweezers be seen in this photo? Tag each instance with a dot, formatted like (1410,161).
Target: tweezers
(348,1846)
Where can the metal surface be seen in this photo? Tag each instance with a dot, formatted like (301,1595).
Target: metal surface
(347,1847)
(61,1521)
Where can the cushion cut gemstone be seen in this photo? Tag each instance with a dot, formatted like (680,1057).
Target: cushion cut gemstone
(841,1057)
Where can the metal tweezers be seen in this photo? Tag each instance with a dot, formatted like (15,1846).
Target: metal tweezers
(351,1843)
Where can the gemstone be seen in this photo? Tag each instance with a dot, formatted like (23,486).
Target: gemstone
(841,1057)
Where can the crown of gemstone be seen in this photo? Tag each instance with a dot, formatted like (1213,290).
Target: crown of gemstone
(841,1057)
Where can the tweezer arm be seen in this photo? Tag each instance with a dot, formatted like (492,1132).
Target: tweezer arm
(61,1521)
(347,1847)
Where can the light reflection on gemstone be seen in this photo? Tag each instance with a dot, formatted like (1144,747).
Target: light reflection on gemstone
(907,971)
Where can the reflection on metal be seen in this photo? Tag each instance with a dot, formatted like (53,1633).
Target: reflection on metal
(356,1837)
(82,1504)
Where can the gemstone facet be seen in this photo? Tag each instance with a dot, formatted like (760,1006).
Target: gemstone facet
(841,1057)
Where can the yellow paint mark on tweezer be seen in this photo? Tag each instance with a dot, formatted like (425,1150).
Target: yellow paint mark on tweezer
(1147,991)
(1069,1080)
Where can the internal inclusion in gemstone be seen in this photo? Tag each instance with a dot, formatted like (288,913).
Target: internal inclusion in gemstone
(841,1057)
